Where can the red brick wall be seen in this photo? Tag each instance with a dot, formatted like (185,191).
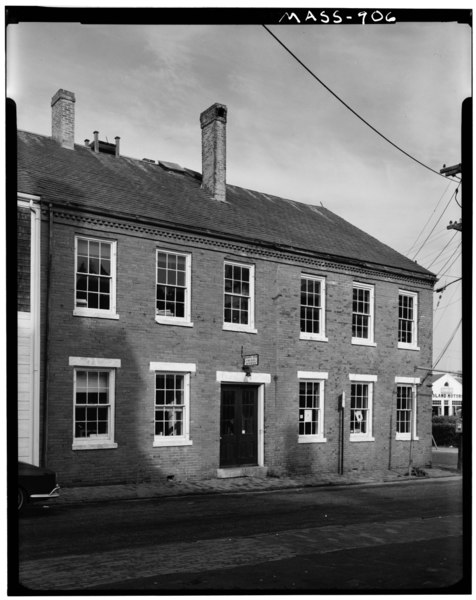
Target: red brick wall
(137,340)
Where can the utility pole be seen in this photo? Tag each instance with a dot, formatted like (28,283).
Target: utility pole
(465,169)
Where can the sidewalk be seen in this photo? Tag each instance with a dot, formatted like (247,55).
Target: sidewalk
(104,493)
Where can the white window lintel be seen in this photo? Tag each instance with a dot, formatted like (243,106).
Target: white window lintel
(173,367)
(313,375)
(80,361)
(365,378)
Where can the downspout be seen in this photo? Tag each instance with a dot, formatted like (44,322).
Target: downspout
(47,337)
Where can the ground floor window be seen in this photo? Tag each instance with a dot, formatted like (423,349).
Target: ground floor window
(311,407)
(406,417)
(361,407)
(172,403)
(94,402)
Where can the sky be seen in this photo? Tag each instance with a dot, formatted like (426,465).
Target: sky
(286,134)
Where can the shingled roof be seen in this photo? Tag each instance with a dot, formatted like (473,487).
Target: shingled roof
(142,190)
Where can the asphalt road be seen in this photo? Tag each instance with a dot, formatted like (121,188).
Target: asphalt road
(404,536)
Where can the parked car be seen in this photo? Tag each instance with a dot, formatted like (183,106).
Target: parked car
(35,483)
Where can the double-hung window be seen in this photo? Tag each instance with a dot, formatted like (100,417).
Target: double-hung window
(238,302)
(407,320)
(311,406)
(406,421)
(94,402)
(173,285)
(361,407)
(312,318)
(172,403)
(95,278)
(363,314)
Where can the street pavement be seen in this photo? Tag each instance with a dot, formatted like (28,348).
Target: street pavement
(294,539)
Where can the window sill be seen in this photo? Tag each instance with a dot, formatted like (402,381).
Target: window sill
(362,342)
(313,336)
(402,346)
(406,437)
(97,314)
(359,438)
(311,439)
(241,328)
(94,445)
(169,321)
(164,441)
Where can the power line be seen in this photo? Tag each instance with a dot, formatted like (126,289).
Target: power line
(428,220)
(456,258)
(348,107)
(433,228)
(448,343)
(441,252)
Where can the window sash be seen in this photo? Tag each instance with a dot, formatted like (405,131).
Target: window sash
(93,405)
(362,312)
(95,272)
(171,407)
(407,319)
(173,277)
(238,296)
(310,410)
(405,425)
(311,305)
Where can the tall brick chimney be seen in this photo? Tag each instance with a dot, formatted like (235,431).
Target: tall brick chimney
(213,124)
(62,118)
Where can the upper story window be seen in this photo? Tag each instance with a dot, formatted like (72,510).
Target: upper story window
(407,320)
(406,421)
(94,402)
(238,304)
(311,406)
(361,407)
(173,288)
(363,314)
(172,403)
(95,284)
(313,295)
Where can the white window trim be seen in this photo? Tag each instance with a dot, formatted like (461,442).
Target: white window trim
(320,377)
(370,341)
(97,312)
(250,327)
(185,369)
(321,336)
(414,344)
(97,363)
(185,321)
(413,382)
(370,380)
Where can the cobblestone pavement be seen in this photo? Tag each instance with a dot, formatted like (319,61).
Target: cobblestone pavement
(83,571)
(176,487)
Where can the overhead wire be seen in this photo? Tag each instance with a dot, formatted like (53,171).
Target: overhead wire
(456,258)
(441,251)
(433,228)
(428,220)
(350,108)
(442,353)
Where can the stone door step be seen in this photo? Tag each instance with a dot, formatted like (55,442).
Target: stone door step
(242,472)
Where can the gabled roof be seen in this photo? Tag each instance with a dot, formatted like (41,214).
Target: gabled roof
(140,189)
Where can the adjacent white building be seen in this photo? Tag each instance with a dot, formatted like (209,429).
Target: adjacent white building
(447,392)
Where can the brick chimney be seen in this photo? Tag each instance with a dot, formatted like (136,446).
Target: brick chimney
(62,121)
(213,124)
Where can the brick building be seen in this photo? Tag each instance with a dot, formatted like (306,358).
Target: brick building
(175,325)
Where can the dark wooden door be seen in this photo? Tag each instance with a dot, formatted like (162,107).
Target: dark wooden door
(238,426)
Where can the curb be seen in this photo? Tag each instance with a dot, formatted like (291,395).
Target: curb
(134,494)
